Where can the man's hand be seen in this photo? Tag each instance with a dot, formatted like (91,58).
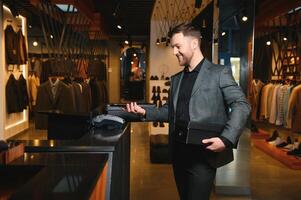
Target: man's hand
(134,108)
(215,144)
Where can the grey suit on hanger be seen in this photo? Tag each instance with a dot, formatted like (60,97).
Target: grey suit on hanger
(213,94)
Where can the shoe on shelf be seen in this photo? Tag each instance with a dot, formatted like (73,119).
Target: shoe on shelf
(273,137)
(158,89)
(282,144)
(165,90)
(154,89)
(276,142)
(152,78)
(155,124)
(161,124)
(295,151)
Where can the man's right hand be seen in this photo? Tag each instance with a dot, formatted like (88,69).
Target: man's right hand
(134,108)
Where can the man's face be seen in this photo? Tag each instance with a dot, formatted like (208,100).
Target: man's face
(182,48)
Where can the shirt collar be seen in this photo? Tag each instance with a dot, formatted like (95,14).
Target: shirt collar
(197,68)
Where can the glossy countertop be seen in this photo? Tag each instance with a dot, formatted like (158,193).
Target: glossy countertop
(55,175)
(99,140)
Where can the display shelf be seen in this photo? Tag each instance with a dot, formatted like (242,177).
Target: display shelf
(154,84)
(279,154)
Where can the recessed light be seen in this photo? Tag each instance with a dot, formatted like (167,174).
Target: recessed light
(244,18)
(35,43)
(126,42)
(268,43)
(223,33)
(285,39)
(119,27)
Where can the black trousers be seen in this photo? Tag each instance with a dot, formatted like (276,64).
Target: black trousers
(193,175)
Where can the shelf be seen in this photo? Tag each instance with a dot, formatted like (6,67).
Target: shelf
(279,154)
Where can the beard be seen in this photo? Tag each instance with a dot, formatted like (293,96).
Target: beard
(183,60)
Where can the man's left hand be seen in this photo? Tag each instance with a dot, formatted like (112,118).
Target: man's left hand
(216,144)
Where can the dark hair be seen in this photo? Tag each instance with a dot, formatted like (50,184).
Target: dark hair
(188,29)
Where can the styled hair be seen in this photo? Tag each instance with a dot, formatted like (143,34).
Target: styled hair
(187,29)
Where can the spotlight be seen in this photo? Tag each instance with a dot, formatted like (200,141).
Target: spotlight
(35,43)
(119,26)
(126,42)
(132,62)
(285,39)
(51,36)
(120,58)
(268,43)
(244,18)
(134,55)
(223,33)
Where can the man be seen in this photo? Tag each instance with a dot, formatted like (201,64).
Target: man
(204,93)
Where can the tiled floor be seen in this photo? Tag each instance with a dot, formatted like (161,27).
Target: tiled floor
(270,180)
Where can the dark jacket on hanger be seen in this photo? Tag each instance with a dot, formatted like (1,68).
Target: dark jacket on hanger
(22,51)
(12,96)
(62,101)
(23,94)
(11,45)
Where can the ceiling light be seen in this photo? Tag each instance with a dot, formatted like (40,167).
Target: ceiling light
(119,27)
(126,42)
(35,43)
(120,58)
(134,55)
(51,36)
(285,39)
(223,33)
(132,62)
(268,43)
(244,18)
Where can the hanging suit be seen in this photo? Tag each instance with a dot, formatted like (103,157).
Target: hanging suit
(11,45)
(12,95)
(46,101)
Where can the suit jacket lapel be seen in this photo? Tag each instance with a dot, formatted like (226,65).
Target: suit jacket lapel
(175,89)
(201,77)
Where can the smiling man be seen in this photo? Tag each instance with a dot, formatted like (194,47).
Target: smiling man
(204,94)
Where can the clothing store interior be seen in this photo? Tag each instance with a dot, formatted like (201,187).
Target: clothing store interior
(69,67)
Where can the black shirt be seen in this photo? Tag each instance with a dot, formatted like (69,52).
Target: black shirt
(187,83)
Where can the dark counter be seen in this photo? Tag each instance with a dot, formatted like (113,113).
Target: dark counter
(114,143)
(58,175)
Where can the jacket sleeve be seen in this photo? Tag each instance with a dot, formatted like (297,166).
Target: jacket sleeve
(239,107)
(157,114)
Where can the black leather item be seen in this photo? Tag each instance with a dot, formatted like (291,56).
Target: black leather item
(152,78)
(196,132)
(161,124)
(154,89)
(158,89)
(155,124)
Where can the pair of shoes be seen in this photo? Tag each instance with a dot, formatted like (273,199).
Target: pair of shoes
(283,144)
(273,137)
(296,151)
(165,99)
(276,142)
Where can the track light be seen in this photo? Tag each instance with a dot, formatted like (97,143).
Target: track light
(268,43)
(223,33)
(126,42)
(119,27)
(285,38)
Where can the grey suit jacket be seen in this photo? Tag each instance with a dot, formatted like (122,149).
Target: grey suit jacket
(214,93)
